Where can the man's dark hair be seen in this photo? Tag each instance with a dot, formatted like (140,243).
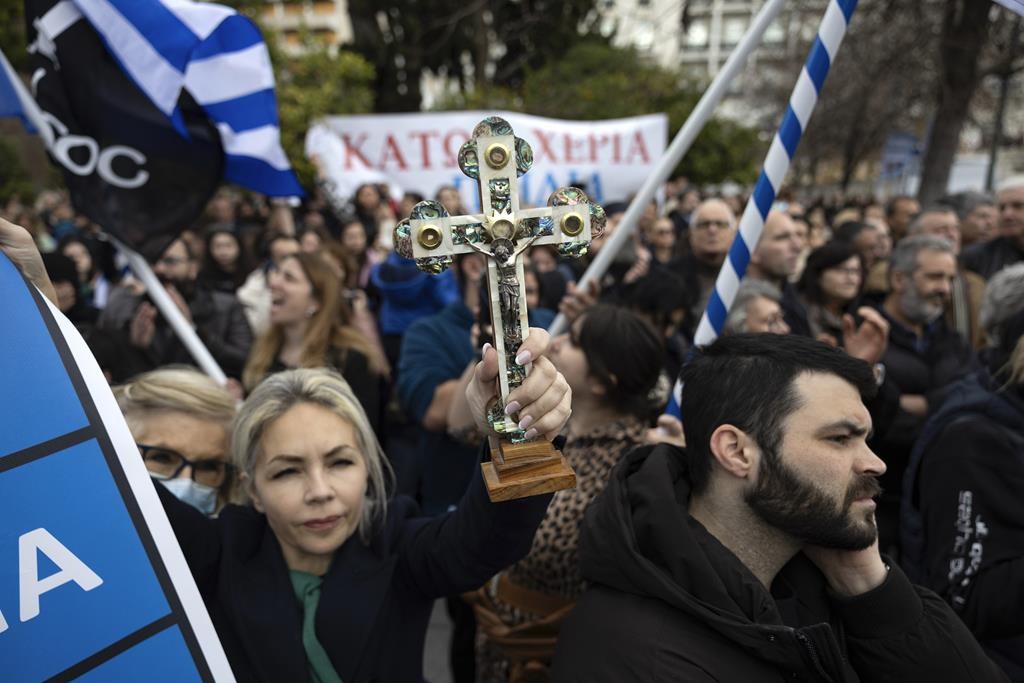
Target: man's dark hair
(892,205)
(746,380)
(850,230)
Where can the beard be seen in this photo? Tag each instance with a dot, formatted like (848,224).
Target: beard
(798,508)
(919,309)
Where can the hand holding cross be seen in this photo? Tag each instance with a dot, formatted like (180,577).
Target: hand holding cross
(502,233)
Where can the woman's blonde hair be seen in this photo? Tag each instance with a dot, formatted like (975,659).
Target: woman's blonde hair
(329,328)
(178,389)
(280,392)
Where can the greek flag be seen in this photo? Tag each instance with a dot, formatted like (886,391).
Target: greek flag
(218,56)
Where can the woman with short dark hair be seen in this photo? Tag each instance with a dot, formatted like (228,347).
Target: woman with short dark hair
(830,286)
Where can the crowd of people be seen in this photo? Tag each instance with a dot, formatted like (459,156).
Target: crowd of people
(836,504)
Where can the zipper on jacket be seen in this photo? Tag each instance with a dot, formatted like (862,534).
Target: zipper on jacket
(812,651)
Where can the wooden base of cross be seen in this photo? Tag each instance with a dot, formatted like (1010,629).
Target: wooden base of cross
(525,469)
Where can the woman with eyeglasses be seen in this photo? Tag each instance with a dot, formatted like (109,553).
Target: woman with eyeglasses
(831,286)
(180,419)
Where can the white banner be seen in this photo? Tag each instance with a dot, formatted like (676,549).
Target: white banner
(418,153)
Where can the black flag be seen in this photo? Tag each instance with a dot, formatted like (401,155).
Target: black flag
(126,167)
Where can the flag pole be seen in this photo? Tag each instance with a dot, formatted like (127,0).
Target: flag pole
(794,122)
(698,118)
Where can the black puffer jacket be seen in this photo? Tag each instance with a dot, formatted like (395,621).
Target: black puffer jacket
(962,521)
(668,602)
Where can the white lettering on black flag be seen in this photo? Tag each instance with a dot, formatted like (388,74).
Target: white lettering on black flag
(125,165)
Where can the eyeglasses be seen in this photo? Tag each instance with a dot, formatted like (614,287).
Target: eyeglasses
(855,270)
(171,261)
(168,464)
(709,224)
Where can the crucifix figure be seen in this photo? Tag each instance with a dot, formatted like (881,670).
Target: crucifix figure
(495,158)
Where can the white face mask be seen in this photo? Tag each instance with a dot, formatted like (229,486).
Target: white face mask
(199,496)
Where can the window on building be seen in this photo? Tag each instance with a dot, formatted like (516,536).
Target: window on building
(733,29)
(643,35)
(775,33)
(697,34)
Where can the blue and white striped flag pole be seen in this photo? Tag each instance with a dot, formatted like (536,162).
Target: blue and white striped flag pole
(780,154)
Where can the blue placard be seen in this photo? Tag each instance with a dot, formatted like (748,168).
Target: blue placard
(84,591)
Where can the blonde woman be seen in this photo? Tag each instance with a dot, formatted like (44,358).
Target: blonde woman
(323,576)
(180,419)
(310,326)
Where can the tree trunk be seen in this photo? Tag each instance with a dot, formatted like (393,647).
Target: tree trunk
(964,33)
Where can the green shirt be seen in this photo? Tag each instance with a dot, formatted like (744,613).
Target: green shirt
(307,590)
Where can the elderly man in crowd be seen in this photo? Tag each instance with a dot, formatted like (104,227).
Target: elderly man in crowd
(775,259)
(923,357)
(712,229)
(988,258)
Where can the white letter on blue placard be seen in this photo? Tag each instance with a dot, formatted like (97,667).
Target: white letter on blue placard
(3,623)
(71,569)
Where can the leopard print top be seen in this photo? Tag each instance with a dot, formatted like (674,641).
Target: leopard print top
(552,564)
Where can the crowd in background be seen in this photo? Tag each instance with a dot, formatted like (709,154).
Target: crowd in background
(931,297)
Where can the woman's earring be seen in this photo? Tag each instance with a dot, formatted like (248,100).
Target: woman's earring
(310,312)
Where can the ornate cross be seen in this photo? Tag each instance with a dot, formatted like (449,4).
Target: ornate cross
(495,158)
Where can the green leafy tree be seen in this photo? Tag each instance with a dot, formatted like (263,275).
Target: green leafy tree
(313,84)
(14,180)
(597,81)
(12,33)
(478,43)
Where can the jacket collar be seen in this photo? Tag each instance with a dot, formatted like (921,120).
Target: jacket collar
(267,611)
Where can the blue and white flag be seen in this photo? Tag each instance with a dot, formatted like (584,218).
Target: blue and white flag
(1013,5)
(219,58)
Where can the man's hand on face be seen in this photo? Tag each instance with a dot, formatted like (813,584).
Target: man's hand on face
(143,325)
(850,572)
(869,341)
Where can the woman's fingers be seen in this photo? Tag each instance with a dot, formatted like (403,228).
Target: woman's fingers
(543,400)
(534,346)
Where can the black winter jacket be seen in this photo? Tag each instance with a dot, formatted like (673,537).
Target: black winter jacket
(962,520)
(925,366)
(668,602)
(376,599)
(988,258)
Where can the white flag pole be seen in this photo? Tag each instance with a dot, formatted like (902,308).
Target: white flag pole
(700,115)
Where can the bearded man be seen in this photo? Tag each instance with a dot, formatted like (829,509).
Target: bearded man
(753,555)
(147,340)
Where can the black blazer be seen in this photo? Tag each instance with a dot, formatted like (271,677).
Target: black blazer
(376,599)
